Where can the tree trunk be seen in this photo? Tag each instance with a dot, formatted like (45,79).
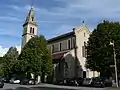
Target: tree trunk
(43,78)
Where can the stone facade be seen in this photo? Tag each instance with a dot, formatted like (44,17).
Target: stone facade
(69,54)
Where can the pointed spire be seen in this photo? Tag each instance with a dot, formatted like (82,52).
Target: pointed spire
(30,17)
(32,3)
(83,21)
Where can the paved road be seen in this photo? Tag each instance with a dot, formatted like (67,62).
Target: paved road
(49,87)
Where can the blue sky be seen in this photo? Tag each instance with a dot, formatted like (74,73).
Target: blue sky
(54,17)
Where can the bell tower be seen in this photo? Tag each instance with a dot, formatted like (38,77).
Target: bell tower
(29,27)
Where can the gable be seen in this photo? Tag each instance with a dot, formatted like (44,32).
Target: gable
(82,28)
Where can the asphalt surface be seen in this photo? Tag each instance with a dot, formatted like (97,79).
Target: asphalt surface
(49,87)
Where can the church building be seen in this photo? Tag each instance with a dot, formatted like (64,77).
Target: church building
(69,54)
(68,50)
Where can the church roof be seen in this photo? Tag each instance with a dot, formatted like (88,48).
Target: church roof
(83,27)
(61,36)
(58,56)
(30,17)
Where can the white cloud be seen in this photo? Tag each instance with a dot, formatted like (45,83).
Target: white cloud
(3,50)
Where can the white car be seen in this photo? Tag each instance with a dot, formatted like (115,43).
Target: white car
(14,81)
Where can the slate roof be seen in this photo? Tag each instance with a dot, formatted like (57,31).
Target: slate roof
(61,36)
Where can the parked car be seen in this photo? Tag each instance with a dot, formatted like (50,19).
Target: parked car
(1,83)
(24,82)
(108,83)
(102,82)
(97,82)
(88,81)
(76,81)
(60,82)
(32,81)
(79,80)
(28,82)
(14,81)
(6,80)
(70,81)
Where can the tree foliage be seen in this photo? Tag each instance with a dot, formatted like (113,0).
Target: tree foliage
(35,57)
(9,59)
(47,65)
(99,51)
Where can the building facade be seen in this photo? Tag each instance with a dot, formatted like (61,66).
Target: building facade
(69,54)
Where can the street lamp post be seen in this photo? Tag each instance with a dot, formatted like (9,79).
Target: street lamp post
(113,44)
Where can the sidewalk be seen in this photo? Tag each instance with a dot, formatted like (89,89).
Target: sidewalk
(114,88)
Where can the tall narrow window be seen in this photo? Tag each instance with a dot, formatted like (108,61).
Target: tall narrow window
(74,42)
(64,45)
(56,47)
(32,18)
(69,44)
(83,54)
(30,29)
(33,31)
(52,48)
(84,34)
(84,50)
(60,46)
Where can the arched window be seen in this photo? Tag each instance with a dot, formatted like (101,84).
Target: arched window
(60,46)
(32,18)
(84,50)
(69,46)
(84,34)
(30,29)
(33,31)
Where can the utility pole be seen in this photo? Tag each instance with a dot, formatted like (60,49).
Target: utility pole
(113,44)
(75,53)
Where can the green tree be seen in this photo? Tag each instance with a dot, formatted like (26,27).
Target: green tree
(1,70)
(99,52)
(1,67)
(35,54)
(1,59)
(47,66)
(9,59)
